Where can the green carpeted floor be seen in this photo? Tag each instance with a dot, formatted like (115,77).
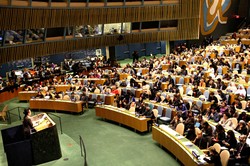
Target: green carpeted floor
(107,143)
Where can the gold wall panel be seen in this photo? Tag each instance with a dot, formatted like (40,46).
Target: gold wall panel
(28,18)
(187,29)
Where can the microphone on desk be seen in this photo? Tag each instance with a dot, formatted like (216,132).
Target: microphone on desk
(195,154)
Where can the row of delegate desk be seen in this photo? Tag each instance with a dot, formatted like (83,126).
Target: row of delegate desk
(178,145)
(109,99)
(58,104)
(122,116)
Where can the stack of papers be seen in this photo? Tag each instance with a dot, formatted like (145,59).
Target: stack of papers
(188,144)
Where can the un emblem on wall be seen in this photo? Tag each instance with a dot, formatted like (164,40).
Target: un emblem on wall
(212,13)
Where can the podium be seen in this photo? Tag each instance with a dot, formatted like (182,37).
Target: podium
(42,146)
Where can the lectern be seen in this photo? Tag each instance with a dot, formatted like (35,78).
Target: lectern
(42,146)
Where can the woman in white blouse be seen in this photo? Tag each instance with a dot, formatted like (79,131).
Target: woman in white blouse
(231,87)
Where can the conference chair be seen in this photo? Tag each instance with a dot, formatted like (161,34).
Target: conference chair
(244,104)
(190,104)
(101,88)
(66,97)
(227,98)
(173,79)
(85,82)
(224,157)
(180,128)
(197,130)
(124,91)
(235,122)
(218,98)
(3,113)
(181,90)
(167,117)
(60,96)
(132,109)
(162,98)
(220,70)
(77,97)
(164,94)
(132,90)
(160,109)
(244,72)
(206,94)
(97,91)
(189,88)
(202,98)
(181,81)
(217,147)
(235,71)
(155,112)
(151,85)
(106,71)
(127,82)
(248,92)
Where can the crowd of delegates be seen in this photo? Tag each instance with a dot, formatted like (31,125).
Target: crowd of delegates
(221,110)
(89,63)
(28,77)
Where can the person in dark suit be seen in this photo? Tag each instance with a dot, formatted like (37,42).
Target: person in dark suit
(157,84)
(214,157)
(39,95)
(213,99)
(170,80)
(27,123)
(148,113)
(200,140)
(135,56)
(230,141)
(241,153)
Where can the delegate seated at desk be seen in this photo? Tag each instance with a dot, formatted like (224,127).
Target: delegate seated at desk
(148,114)
(214,157)
(48,95)
(39,95)
(241,153)
(201,141)
(231,141)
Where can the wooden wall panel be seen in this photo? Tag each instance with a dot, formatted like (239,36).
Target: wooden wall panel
(186,12)
(27,18)
(187,29)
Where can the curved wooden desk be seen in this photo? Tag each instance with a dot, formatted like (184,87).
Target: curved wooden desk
(178,145)
(26,95)
(7,95)
(163,105)
(122,116)
(57,105)
(96,80)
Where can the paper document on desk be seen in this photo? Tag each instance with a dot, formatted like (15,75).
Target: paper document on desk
(188,144)
(179,137)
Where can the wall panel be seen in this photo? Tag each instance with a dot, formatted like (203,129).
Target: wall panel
(187,29)
(186,12)
(27,18)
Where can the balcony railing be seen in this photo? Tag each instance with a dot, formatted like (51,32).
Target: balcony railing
(82,3)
